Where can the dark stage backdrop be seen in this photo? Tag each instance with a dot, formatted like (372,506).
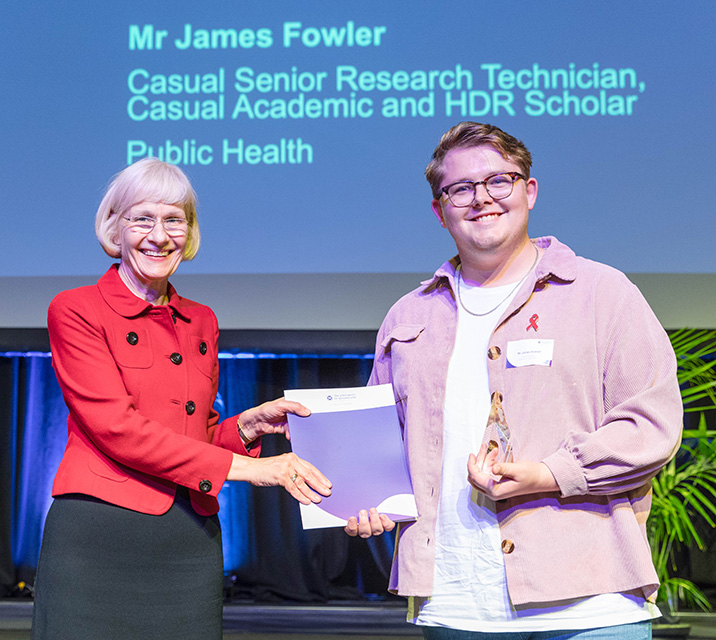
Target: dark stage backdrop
(267,555)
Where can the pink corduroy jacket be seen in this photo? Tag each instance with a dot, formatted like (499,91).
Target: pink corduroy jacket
(604,417)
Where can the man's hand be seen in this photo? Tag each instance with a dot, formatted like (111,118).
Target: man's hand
(508,479)
(369,524)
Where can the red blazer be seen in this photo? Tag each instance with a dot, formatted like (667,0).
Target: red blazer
(140,382)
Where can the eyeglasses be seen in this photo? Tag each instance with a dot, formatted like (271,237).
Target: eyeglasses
(145,224)
(499,186)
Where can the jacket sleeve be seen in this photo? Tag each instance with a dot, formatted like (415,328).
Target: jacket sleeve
(106,415)
(643,412)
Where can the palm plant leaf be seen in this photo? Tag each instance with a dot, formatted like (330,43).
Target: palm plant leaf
(695,351)
(684,491)
(686,591)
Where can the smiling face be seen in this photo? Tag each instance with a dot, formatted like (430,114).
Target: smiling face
(148,259)
(489,232)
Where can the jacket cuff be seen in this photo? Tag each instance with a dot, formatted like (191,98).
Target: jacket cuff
(567,473)
(210,481)
(229,438)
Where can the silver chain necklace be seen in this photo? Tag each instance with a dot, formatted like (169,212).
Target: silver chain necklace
(497,306)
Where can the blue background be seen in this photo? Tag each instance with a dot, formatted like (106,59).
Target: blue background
(634,191)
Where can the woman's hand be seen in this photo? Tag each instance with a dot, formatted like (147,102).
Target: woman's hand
(300,478)
(369,523)
(270,417)
(508,479)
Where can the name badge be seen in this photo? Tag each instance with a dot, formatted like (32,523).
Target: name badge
(525,353)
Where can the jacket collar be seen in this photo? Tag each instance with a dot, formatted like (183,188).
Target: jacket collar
(558,263)
(125,303)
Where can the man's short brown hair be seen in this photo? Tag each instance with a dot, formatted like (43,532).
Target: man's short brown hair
(476,134)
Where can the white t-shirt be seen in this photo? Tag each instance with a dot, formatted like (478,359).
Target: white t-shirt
(470,586)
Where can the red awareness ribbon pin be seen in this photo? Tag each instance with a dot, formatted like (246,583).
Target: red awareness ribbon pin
(533,322)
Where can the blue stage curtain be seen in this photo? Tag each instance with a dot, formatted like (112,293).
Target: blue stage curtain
(41,438)
(267,555)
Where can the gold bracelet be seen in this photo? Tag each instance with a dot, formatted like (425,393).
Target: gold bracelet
(242,435)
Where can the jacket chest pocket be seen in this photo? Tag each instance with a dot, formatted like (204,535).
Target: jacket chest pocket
(132,348)
(406,359)
(202,354)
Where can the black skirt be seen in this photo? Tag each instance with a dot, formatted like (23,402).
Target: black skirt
(112,573)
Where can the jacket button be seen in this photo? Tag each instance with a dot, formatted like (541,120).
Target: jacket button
(508,546)
(205,486)
(132,338)
(202,348)
(190,407)
(494,352)
(175,358)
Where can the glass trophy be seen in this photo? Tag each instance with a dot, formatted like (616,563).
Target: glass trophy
(497,433)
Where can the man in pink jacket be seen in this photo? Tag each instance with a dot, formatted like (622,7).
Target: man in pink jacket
(538,397)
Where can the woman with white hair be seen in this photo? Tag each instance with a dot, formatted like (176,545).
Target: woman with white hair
(132,544)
